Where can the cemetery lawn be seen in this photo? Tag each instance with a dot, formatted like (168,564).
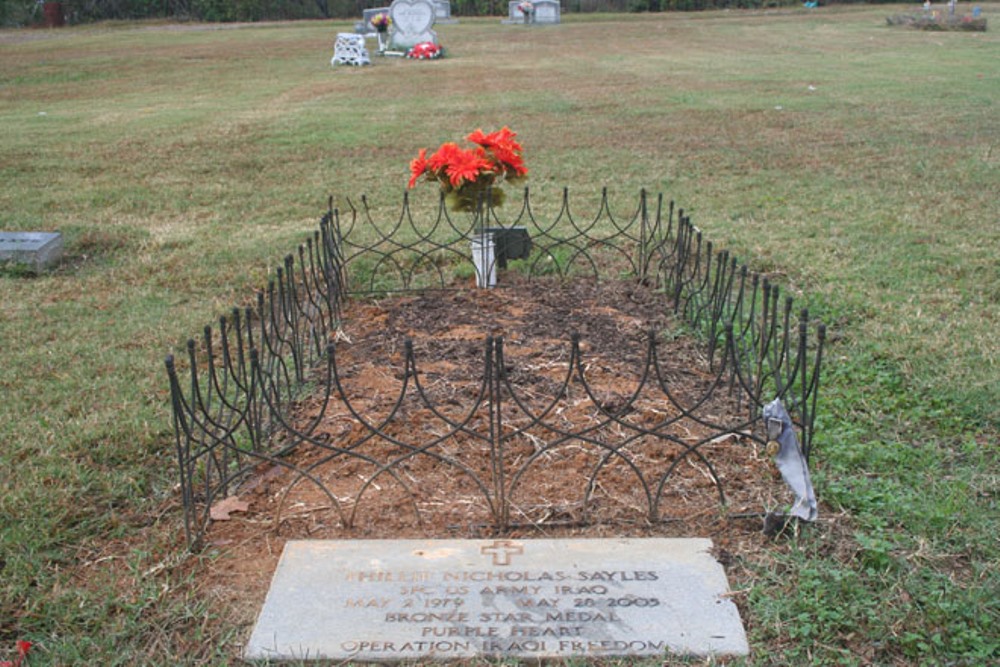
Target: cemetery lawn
(856,164)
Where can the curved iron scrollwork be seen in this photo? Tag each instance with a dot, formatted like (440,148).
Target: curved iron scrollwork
(237,407)
(407,255)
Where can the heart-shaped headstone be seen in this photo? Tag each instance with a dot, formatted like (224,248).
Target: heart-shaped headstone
(412,17)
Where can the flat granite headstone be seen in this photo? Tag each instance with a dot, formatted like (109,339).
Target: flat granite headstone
(391,600)
(36,250)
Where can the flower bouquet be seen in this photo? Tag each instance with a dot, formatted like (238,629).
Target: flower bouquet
(527,9)
(425,51)
(381,22)
(467,175)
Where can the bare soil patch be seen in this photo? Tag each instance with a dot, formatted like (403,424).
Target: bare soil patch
(448,332)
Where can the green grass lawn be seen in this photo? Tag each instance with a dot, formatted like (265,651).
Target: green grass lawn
(858,164)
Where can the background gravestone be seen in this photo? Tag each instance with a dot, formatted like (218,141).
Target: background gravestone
(442,12)
(411,22)
(36,251)
(514,14)
(546,11)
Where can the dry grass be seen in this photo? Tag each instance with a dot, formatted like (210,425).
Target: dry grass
(856,161)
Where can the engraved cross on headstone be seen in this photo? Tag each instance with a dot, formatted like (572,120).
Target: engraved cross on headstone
(502,550)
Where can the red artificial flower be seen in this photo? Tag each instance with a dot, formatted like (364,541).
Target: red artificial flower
(424,50)
(444,155)
(22,652)
(506,151)
(478,137)
(510,162)
(418,167)
(464,174)
(466,166)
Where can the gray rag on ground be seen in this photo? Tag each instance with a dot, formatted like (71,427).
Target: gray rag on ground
(790,460)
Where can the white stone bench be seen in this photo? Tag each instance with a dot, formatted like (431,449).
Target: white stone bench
(349,49)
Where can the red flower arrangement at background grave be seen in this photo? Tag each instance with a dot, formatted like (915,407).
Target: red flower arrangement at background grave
(465,175)
(425,51)
(22,652)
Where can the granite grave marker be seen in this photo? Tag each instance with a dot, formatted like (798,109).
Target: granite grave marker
(544,12)
(392,600)
(411,23)
(442,12)
(36,251)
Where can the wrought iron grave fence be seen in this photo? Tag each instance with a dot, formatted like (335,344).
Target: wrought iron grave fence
(236,400)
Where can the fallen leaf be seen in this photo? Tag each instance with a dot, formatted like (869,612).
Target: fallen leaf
(220,511)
